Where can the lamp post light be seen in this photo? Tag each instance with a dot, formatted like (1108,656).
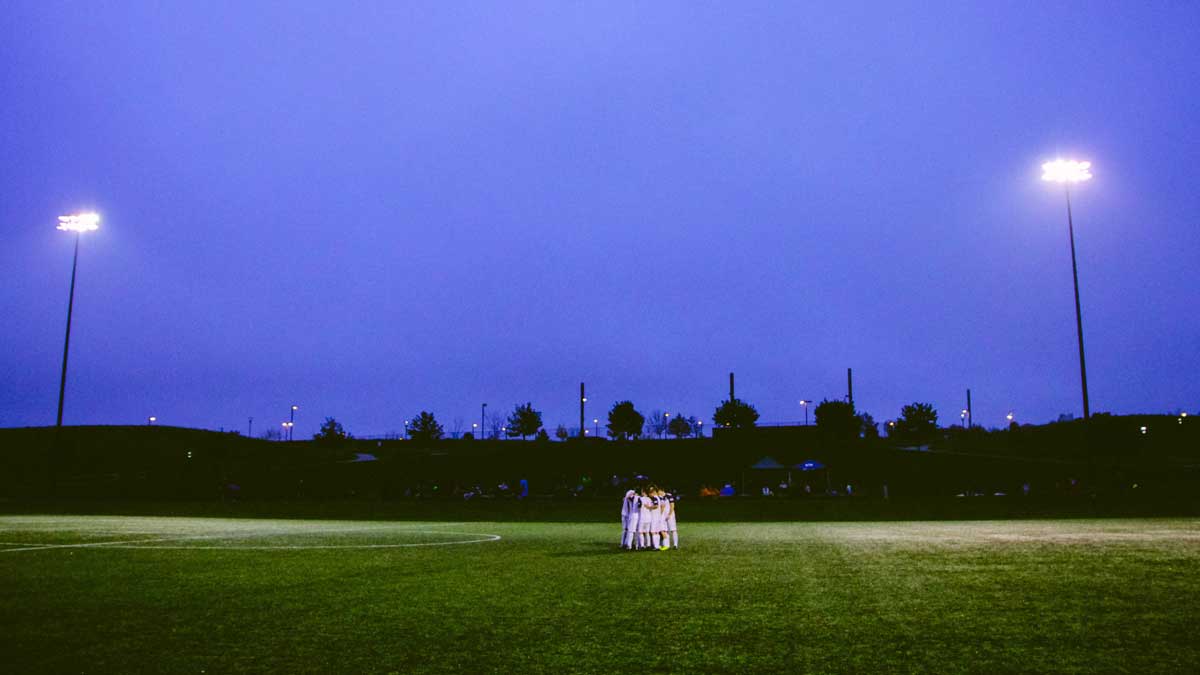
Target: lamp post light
(804,404)
(151,420)
(287,430)
(78,223)
(482,418)
(1067,172)
(474,431)
(1010,417)
(596,421)
(292,420)
(963,415)
(700,428)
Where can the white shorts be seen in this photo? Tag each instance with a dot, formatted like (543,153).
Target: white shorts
(644,523)
(670,524)
(631,523)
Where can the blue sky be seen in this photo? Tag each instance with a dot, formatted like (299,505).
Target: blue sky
(371,209)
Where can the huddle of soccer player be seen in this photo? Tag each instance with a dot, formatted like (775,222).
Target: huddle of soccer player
(648,516)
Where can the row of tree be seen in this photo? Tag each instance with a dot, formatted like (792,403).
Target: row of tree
(917,423)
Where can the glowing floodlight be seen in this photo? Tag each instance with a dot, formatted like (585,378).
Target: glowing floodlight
(1066,171)
(80,222)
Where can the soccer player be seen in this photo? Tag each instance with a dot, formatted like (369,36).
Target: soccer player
(664,515)
(629,518)
(670,525)
(646,510)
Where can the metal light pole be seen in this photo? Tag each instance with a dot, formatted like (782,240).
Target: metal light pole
(292,420)
(482,416)
(804,404)
(80,223)
(1067,172)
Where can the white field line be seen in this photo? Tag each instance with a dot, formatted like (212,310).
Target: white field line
(139,543)
(298,547)
(42,547)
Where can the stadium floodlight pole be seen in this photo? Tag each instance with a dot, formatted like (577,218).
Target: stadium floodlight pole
(1067,171)
(292,420)
(78,223)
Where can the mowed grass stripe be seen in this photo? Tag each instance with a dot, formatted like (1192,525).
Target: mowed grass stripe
(1040,596)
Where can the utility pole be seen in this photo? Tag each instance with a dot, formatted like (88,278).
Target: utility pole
(250,428)
(731,397)
(850,387)
(582,401)
(970,417)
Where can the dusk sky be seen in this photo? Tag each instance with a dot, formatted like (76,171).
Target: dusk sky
(373,209)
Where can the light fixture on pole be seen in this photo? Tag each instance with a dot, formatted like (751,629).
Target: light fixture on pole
(78,223)
(1067,172)
(804,404)
(292,420)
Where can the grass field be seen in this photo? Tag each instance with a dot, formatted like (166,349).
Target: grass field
(112,594)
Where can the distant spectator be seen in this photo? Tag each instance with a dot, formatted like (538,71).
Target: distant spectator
(728,490)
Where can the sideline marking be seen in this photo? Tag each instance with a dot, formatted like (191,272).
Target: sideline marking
(42,547)
(380,528)
(483,539)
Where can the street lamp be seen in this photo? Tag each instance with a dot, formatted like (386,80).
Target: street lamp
(963,415)
(1010,417)
(804,404)
(292,421)
(482,418)
(1067,172)
(700,428)
(78,223)
(287,430)
(151,420)
(596,421)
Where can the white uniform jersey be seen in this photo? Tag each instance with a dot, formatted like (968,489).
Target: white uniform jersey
(645,514)
(630,509)
(627,504)
(666,510)
(656,514)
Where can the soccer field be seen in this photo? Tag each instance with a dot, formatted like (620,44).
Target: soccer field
(137,594)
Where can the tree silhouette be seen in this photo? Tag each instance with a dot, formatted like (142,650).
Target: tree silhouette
(524,421)
(868,427)
(837,419)
(331,433)
(917,423)
(656,423)
(679,426)
(735,414)
(561,433)
(624,421)
(425,428)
